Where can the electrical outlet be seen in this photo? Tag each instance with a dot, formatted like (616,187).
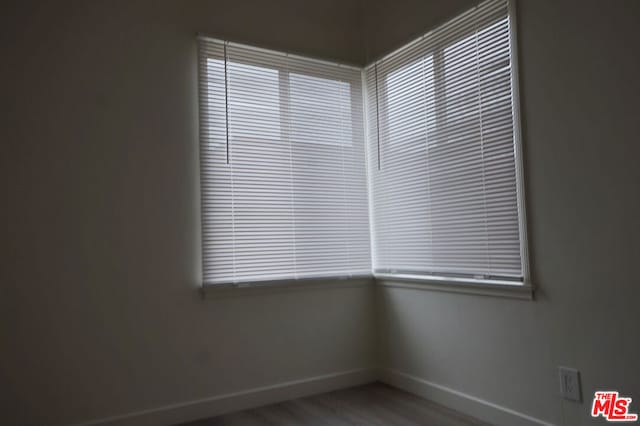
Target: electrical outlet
(570,383)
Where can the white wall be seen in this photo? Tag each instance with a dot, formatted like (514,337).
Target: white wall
(580,92)
(99,314)
(388,25)
(100,253)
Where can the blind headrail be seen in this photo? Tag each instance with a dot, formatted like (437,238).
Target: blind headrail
(201,36)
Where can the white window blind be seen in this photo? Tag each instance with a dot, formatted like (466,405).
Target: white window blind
(283,175)
(443,152)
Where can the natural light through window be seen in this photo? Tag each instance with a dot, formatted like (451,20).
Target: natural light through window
(283,176)
(407,169)
(443,165)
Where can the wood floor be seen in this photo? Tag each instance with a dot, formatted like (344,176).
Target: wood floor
(371,405)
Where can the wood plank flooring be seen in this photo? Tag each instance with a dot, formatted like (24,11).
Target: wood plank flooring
(372,405)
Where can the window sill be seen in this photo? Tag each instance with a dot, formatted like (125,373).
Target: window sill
(215,291)
(453,285)
(457,285)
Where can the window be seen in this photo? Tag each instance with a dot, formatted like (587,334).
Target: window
(444,159)
(290,182)
(283,177)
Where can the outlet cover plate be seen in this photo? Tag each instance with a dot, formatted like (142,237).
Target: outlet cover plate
(570,383)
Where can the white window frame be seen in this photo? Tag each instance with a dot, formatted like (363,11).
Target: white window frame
(520,290)
(330,280)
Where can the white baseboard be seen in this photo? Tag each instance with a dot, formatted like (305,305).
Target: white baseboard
(250,398)
(462,402)
(256,397)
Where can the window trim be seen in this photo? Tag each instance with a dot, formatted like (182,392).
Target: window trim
(518,148)
(219,291)
(496,288)
(493,288)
